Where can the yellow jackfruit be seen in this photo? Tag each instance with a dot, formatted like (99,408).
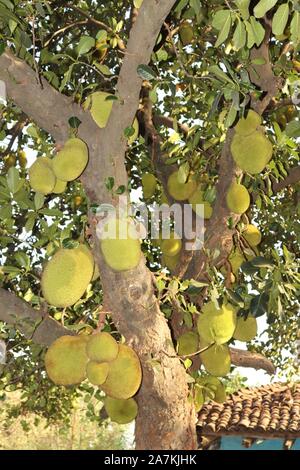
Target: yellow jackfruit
(236,259)
(186,33)
(60,187)
(66,360)
(216,325)
(41,176)
(252,152)
(252,235)
(102,347)
(97,373)
(249,124)
(188,343)
(180,191)
(216,359)
(246,329)
(238,198)
(121,411)
(67,275)
(149,184)
(70,162)
(121,250)
(125,374)
(171,246)
(197,198)
(100,108)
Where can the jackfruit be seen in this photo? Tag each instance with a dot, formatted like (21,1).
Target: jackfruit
(67,275)
(135,135)
(249,124)
(125,374)
(41,176)
(252,152)
(121,411)
(60,187)
(186,33)
(236,259)
(121,250)
(97,373)
(66,360)
(180,191)
(212,388)
(238,198)
(149,184)
(188,343)
(197,198)
(70,162)
(22,158)
(216,325)
(171,246)
(252,235)
(102,347)
(170,262)
(100,108)
(246,329)
(216,359)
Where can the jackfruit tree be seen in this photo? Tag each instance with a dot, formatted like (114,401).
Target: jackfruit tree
(189,104)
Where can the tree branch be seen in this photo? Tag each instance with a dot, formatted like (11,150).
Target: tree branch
(293,177)
(33,324)
(242,358)
(167,121)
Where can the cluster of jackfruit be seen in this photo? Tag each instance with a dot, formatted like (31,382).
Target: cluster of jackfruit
(100,106)
(113,367)
(250,147)
(48,176)
(120,246)
(67,275)
(216,326)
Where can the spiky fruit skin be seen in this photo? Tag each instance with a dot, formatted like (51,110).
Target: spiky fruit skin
(170,262)
(66,360)
(246,329)
(102,347)
(196,199)
(97,373)
(41,176)
(172,246)
(236,259)
(249,124)
(100,108)
(149,184)
(238,198)
(67,275)
(180,191)
(216,359)
(9,161)
(121,251)
(124,376)
(252,235)
(252,152)
(135,135)
(70,162)
(186,33)
(216,325)
(22,158)
(188,343)
(60,187)
(121,411)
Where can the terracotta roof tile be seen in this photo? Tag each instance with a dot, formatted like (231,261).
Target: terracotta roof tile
(271,409)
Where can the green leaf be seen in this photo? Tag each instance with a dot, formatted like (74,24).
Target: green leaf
(13,179)
(258,61)
(259,305)
(295,28)
(8,15)
(215,70)
(258,31)
(86,43)
(39,200)
(220,19)
(239,36)
(263,7)
(103,69)
(224,33)
(230,118)
(196,5)
(280,19)
(250,35)
(146,72)
(260,262)
(293,129)
(243,6)
(109,183)
(183,172)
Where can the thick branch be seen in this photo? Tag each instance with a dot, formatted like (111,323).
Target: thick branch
(167,121)
(292,178)
(33,324)
(255,360)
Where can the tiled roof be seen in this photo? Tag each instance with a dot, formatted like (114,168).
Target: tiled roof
(265,412)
